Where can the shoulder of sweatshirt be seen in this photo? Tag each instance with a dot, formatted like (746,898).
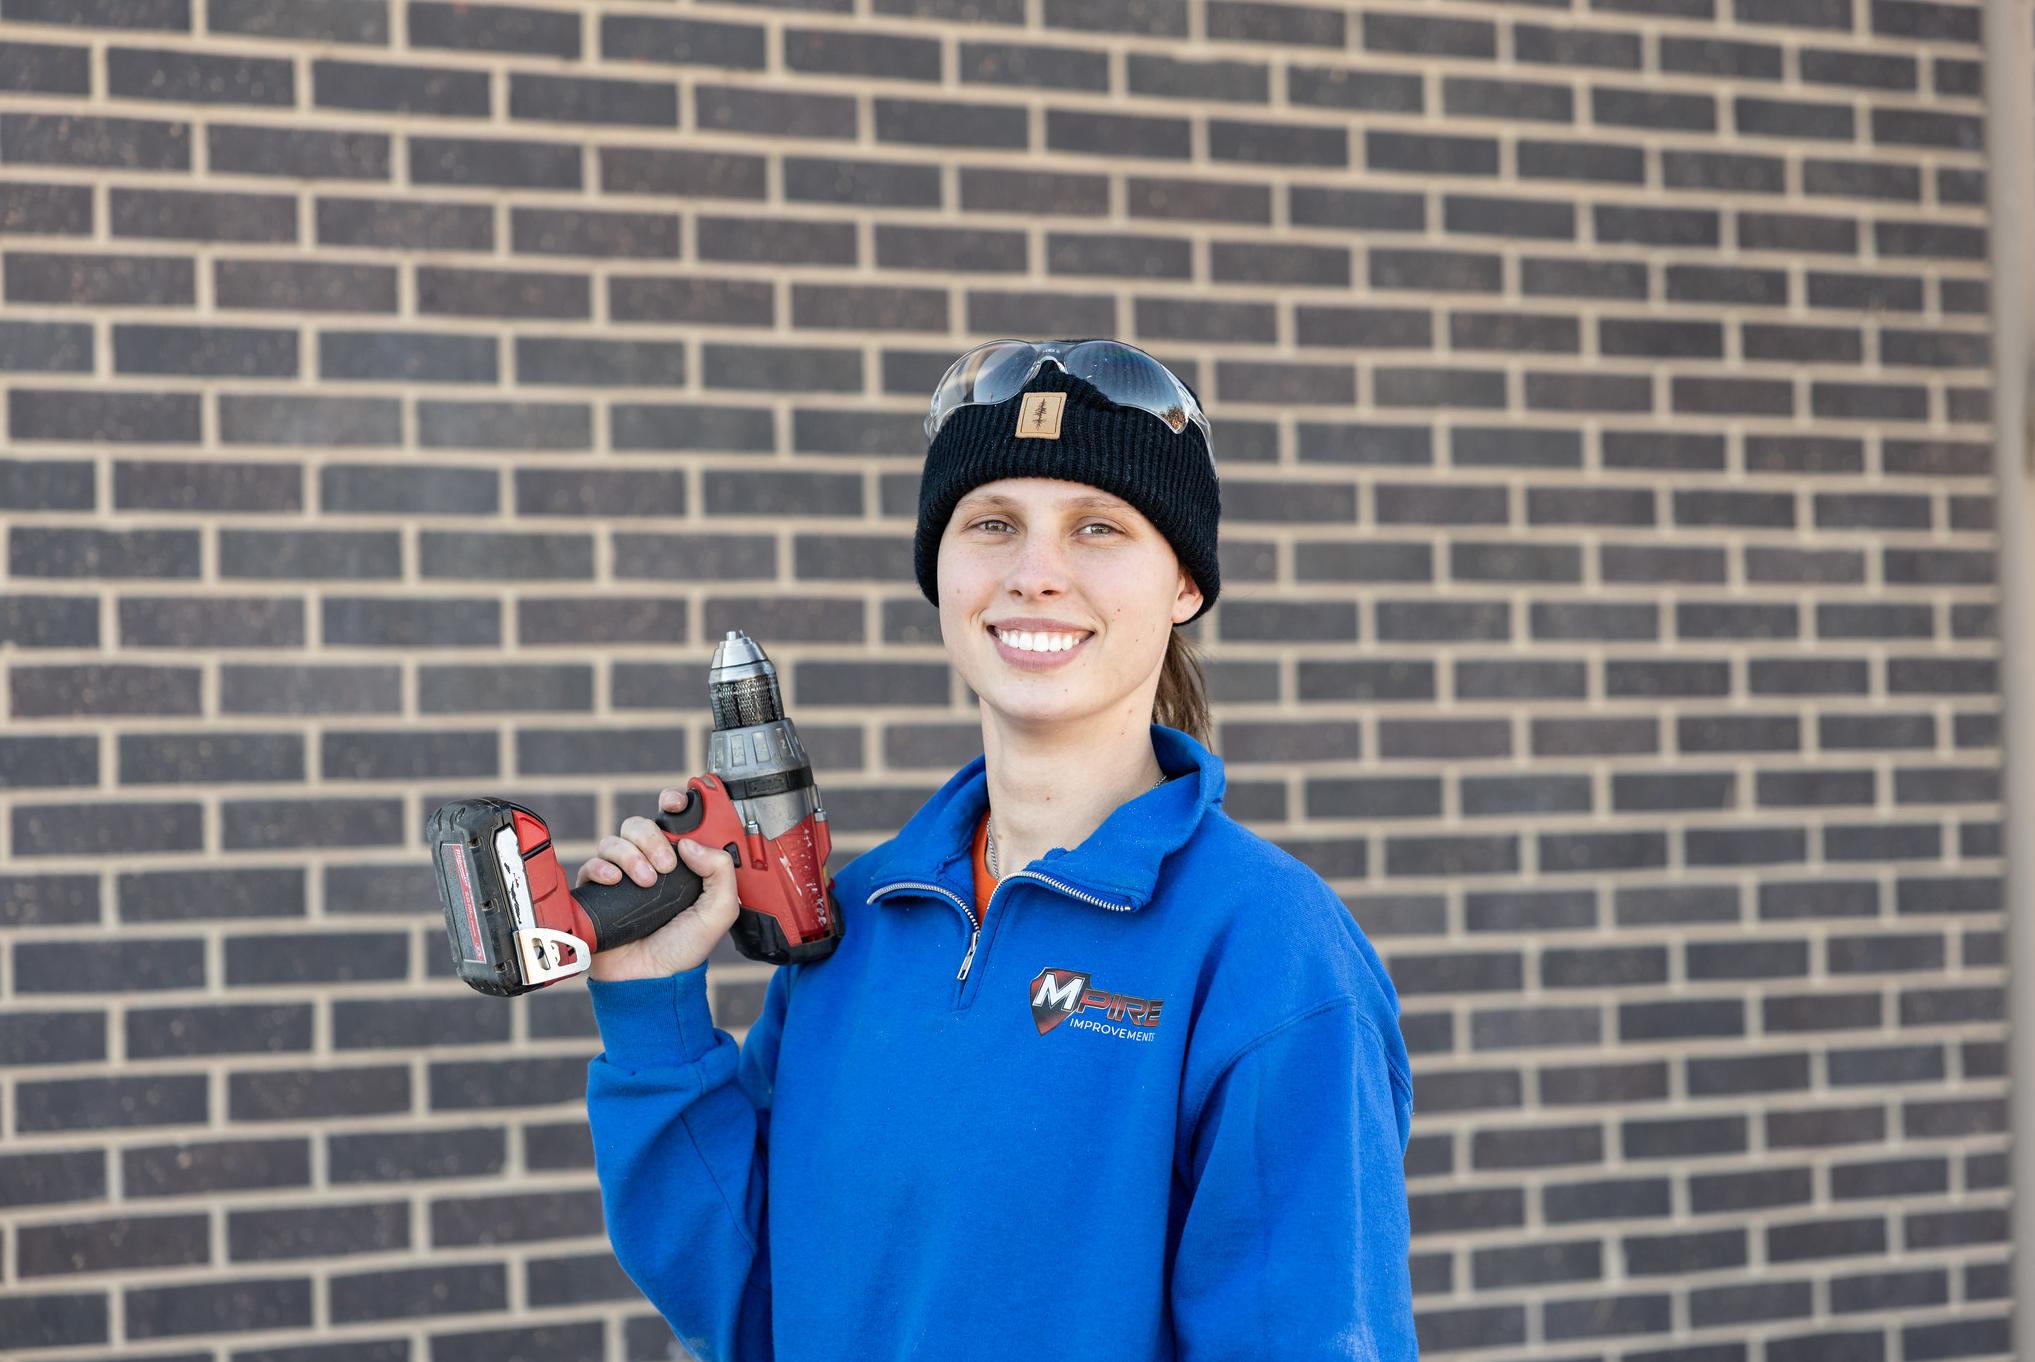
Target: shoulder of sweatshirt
(1276,944)
(851,880)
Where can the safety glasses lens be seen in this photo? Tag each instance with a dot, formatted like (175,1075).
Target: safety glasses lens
(1131,378)
(997,371)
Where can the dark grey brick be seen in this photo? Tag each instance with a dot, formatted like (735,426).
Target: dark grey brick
(1866,70)
(1432,621)
(1365,444)
(1603,620)
(408,355)
(56,209)
(310,689)
(1242,21)
(576,492)
(501,294)
(1162,18)
(1266,143)
(681,42)
(764,112)
(558,231)
(498,162)
(1032,67)
(1451,271)
(303,286)
(575,620)
(205,351)
(1861,179)
(1405,32)
(259,1028)
(102,688)
(45,68)
(1390,680)
(453,689)
(660,556)
(635,170)
(1525,680)
(1548,45)
(289,555)
(272,823)
(408,489)
(169,757)
(379,621)
(387,88)
(122,417)
(1430,153)
(494,28)
(109,143)
(97,280)
(123,1243)
(1494,330)
(1473,561)
(339,21)
(317,1231)
(196,77)
(399,1293)
(202,215)
(299,153)
(102,552)
(405,224)
(504,425)
(1797,232)
(1719,170)
(45,347)
(214,1307)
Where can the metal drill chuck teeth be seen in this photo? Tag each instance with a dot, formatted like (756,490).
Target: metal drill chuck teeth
(742,684)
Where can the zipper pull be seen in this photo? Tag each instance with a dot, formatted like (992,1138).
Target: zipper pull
(969,958)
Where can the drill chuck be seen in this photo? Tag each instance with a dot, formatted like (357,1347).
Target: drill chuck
(742,684)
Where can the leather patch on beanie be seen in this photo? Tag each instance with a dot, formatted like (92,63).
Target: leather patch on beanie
(1039,416)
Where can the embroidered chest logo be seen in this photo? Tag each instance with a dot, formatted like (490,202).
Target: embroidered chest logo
(1060,995)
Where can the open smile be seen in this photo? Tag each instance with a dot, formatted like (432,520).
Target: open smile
(1038,652)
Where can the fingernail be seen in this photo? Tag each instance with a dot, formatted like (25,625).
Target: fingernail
(689,844)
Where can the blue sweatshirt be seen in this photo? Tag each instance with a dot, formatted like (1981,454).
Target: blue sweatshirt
(1155,1108)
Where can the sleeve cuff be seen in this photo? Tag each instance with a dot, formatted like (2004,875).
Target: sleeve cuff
(654,1023)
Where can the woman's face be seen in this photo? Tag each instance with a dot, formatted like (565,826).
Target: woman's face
(1027,565)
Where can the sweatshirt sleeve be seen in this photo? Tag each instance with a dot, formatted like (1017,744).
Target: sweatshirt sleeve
(1296,1226)
(680,1117)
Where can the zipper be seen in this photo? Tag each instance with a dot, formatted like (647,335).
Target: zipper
(975,927)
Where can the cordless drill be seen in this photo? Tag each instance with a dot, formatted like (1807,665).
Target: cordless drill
(516,924)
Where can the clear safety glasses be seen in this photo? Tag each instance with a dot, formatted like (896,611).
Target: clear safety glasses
(998,370)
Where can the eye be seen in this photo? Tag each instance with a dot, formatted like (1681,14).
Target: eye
(1101,525)
(993,520)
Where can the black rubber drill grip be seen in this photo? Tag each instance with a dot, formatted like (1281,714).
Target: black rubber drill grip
(626,911)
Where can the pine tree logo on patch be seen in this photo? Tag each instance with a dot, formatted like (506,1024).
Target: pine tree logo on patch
(1039,416)
(1060,995)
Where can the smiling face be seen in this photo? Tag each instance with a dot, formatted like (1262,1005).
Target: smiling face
(1057,598)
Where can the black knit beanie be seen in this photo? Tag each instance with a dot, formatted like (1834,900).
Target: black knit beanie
(1126,451)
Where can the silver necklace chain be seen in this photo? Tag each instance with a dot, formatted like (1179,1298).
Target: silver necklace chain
(990,835)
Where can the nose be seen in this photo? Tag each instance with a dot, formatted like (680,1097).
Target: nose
(1041,567)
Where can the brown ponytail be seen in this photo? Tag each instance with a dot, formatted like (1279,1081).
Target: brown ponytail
(1182,698)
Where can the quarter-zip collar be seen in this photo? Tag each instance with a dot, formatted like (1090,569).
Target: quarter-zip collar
(1119,861)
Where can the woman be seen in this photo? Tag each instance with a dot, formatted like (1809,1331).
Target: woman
(1141,1099)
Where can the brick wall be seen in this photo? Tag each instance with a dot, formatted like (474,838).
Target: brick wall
(400,399)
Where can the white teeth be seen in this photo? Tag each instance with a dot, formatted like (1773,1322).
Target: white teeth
(1039,643)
